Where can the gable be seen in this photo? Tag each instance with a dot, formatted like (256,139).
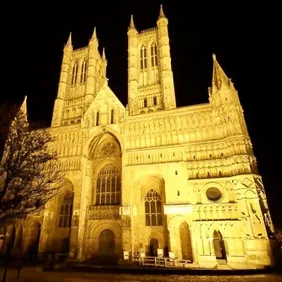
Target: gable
(107,106)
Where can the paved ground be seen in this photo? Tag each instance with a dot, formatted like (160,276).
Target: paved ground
(33,274)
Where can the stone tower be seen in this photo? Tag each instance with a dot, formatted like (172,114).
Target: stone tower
(83,72)
(150,77)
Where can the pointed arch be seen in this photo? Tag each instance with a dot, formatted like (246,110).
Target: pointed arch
(93,141)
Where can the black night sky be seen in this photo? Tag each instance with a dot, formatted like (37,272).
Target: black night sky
(243,36)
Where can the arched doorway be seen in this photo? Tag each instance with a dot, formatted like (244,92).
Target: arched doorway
(33,237)
(106,243)
(219,247)
(185,241)
(154,245)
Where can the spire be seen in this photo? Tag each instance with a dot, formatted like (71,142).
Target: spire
(219,78)
(69,42)
(161,15)
(131,24)
(103,54)
(94,35)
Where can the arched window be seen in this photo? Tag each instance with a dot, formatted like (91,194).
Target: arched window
(108,186)
(112,116)
(153,209)
(74,73)
(145,103)
(143,57)
(97,118)
(66,210)
(155,101)
(154,55)
(83,71)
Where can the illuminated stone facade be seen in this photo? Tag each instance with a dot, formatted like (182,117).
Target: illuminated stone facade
(151,175)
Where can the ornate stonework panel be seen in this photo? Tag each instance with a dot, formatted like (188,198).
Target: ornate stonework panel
(103,212)
(108,149)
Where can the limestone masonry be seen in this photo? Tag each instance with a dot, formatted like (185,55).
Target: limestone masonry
(151,178)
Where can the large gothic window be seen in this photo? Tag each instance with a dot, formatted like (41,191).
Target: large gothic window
(143,57)
(154,55)
(66,210)
(108,186)
(153,209)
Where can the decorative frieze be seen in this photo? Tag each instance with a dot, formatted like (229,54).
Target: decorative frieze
(103,212)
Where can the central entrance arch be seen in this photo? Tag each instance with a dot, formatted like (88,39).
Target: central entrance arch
(106,243)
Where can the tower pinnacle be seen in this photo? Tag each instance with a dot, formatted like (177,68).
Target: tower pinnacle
(219,78)
(69,42)
(131,24)
(94,35)
(103,54)
(161,15)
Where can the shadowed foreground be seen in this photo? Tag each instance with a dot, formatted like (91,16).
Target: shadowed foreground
(32,274)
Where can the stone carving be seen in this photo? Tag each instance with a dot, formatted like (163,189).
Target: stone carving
(108,149)
(103,212)
(126,222)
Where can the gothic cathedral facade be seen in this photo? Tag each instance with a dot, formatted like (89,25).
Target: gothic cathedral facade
(151,178)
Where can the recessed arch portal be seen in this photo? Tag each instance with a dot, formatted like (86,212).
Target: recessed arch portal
(106,174)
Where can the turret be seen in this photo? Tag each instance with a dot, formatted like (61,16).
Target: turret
(223,94)
(62,89)
(91,73)
(132,68)
(222,90)
(68,49)
(167,83)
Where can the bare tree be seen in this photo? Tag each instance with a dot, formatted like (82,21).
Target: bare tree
(28,175)
(7,113)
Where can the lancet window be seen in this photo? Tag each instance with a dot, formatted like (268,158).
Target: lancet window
(153,209)
(66,210)
(108,186)
(83,71)
(74,73)
(143,57)
(154,55)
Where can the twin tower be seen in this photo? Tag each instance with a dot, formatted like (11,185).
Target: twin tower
(150,77)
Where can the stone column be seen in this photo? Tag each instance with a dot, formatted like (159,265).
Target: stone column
(84,202)
(126,230)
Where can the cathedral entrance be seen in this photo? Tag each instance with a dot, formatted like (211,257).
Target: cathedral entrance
(153,248)
(219,247)
(185,241)
(106,244)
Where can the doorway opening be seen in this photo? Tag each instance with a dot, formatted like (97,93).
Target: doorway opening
(153,248)
(219,246)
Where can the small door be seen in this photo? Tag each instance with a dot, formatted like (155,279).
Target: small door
(154,245)
(219,247)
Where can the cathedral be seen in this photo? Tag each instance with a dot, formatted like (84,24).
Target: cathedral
(151,179)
